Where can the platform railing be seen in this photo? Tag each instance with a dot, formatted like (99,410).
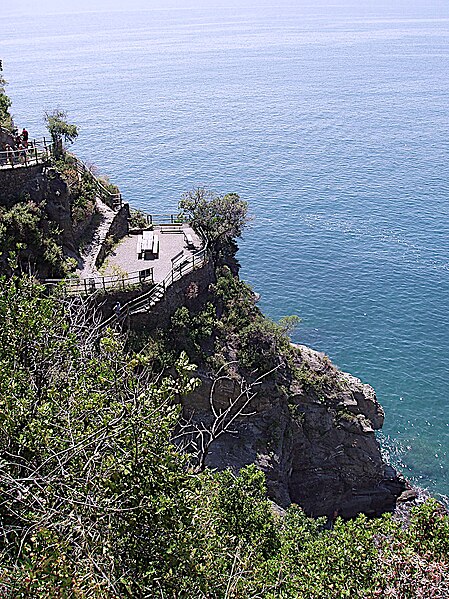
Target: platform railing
(37,151)
(107,283)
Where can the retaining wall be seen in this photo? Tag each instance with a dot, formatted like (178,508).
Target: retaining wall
(188,291)
(13,180)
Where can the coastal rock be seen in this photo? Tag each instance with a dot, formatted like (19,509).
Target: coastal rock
(315,442)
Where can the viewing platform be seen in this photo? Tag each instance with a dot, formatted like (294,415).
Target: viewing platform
(172,249)
(38,151)
(171,240)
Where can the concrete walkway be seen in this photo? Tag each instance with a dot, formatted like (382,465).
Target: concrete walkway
(90,253)
(124,258)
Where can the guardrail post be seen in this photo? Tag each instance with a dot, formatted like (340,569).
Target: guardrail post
(104,286)
(35,149)
(85,286)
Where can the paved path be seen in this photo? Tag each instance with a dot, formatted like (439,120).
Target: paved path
(90,253)
(124,256)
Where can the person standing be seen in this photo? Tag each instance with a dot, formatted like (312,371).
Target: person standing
(117,310)
(9,154)
(25,138)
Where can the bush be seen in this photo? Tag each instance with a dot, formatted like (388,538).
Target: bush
(97,502)
(26,231)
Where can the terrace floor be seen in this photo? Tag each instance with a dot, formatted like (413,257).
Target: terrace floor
(124,258)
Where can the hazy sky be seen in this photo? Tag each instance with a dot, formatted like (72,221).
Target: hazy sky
(27,7)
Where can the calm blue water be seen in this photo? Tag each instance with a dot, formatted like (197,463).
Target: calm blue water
(330,118)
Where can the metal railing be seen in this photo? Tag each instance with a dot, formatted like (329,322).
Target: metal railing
(165,219)
(37,151)
(182,264)
(110,198)
(111,282)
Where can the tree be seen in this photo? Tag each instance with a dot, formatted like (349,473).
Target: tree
(60,130)
(5,103)
(219,218)
(92,491)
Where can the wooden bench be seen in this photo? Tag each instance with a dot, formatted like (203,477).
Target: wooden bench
(155,245)
(171,227)
(189,240)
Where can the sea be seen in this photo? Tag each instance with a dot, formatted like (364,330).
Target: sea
(330,117)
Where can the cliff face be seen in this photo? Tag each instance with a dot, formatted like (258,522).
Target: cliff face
(48,186)
(307,425)
(318,450)
(336,459)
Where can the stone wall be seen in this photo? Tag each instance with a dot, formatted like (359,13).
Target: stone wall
(14,180)
(188,291)
(6,137)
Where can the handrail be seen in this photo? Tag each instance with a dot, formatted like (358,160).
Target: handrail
(164,219)
(196,260)
(37,151)
(92,284)
(113,200)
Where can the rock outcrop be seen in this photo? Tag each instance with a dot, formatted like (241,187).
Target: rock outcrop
(49,187)
(315,440)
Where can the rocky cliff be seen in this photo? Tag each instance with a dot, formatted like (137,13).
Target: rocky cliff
(288,409)
(317,449)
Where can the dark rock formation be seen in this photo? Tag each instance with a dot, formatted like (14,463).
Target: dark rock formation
(317,449)
(49,187)
(313,435)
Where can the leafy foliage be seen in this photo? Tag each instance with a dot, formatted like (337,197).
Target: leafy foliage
(5,104)
(219,218)
(60,130)
(97,502)
(27,233)
(260,342)
(82,188)
(138,219)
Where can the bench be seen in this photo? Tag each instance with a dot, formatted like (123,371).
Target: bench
(171,227)
(189,240)
(155,245)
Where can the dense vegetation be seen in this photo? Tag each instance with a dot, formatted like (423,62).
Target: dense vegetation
(219,218)
(30,240)
(5,103)
(96,501)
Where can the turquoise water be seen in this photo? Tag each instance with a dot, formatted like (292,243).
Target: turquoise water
(331,119)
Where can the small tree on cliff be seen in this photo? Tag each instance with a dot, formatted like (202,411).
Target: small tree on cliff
(220,218)
(5,103)
(60,130)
